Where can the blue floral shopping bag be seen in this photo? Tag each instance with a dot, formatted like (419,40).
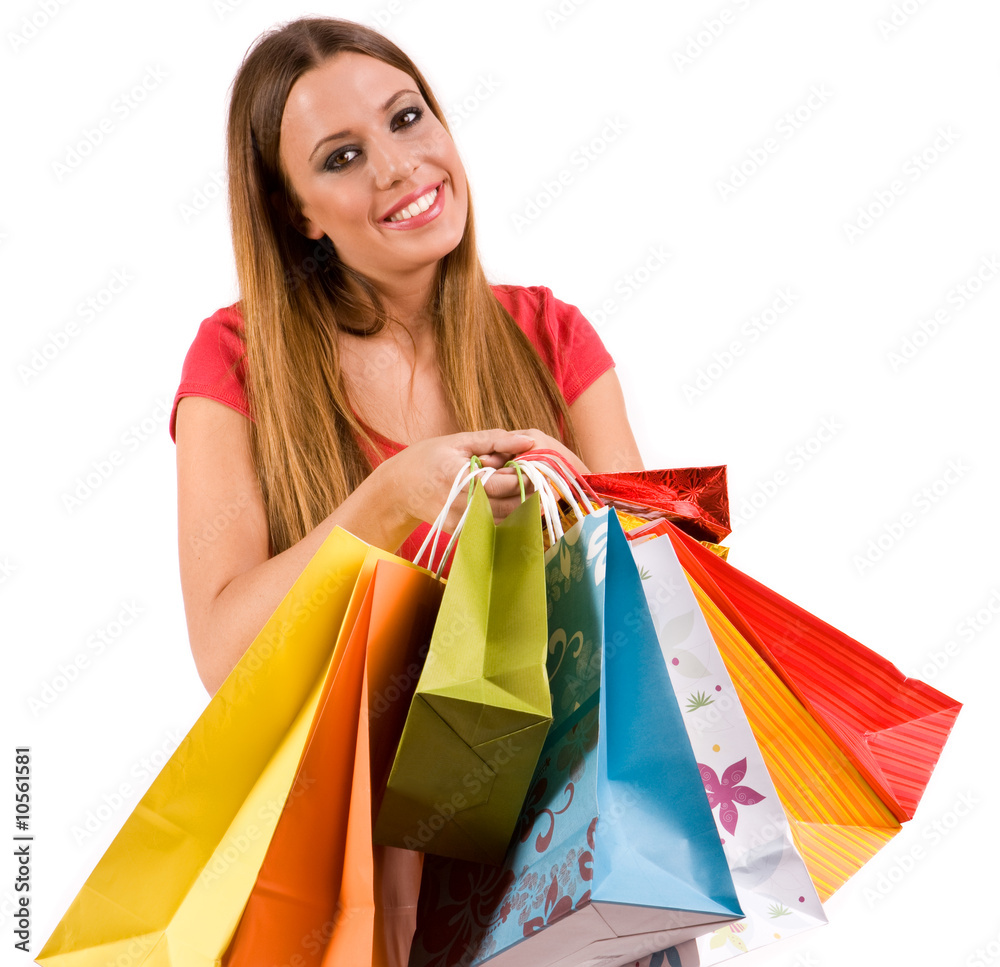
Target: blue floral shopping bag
(616,854)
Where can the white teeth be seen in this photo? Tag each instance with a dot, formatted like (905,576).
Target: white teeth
(420,205)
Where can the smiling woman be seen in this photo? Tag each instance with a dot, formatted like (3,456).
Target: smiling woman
(368,357)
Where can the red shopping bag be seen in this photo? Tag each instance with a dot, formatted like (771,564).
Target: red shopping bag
(694,498)
(892,728)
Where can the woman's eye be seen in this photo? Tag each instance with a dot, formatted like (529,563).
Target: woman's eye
(341,159)
(411,112)
(344,157)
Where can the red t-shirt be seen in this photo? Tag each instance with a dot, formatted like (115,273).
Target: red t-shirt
(567,343)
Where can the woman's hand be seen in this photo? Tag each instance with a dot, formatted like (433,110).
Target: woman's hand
(544,442)
(420,477)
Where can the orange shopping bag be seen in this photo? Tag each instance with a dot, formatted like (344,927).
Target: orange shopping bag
(850,743)
(325,895)
(893,728)
(837,820)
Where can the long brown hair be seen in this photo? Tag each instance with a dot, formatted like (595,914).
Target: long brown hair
(308,446)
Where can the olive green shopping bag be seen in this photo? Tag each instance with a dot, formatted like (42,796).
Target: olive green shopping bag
(481,708)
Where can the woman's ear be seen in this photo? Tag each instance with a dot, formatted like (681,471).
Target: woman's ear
(305,226)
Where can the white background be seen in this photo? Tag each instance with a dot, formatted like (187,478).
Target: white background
(527,91)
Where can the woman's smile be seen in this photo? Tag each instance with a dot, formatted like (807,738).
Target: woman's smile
(413,212)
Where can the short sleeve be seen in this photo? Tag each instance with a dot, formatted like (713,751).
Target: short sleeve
(565,339)
(214,366)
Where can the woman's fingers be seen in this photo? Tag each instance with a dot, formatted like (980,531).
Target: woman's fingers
(502,506)
(545,442)
(503,483)
(491,443)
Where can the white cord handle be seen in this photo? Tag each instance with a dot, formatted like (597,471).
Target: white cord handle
(462,478)
(564,486)
(548,479)
(568,476)
(550,503)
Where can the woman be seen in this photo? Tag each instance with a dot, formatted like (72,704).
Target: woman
(368,348)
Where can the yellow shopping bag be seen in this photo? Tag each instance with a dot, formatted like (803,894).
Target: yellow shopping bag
(171,887)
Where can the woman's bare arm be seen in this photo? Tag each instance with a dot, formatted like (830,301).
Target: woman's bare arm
(605,437)
(230,586)
(607,444)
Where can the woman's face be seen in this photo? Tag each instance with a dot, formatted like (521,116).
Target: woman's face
(356,140)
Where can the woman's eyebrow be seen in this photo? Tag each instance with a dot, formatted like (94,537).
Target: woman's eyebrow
(343,134)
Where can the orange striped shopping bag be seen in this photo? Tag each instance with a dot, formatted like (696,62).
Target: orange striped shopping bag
(893,728)
(837,819)
(849,741)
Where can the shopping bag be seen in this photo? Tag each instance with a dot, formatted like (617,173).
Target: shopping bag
(892,727)
(838,820)
(481,708)
(617,854)
(772,882)
(171,887)
(694,498)
(323,887)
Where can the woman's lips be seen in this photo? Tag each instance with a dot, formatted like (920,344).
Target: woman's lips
(416,221)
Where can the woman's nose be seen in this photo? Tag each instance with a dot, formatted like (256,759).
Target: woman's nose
(392,163)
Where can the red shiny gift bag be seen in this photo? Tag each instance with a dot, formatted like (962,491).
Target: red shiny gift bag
(694,498)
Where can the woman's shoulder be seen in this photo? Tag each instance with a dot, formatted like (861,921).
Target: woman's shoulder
(564,338)
(521,297)
(219,338)
(535,308)
(229,318)
(214,366)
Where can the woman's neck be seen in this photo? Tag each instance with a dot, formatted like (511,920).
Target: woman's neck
(408,300)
